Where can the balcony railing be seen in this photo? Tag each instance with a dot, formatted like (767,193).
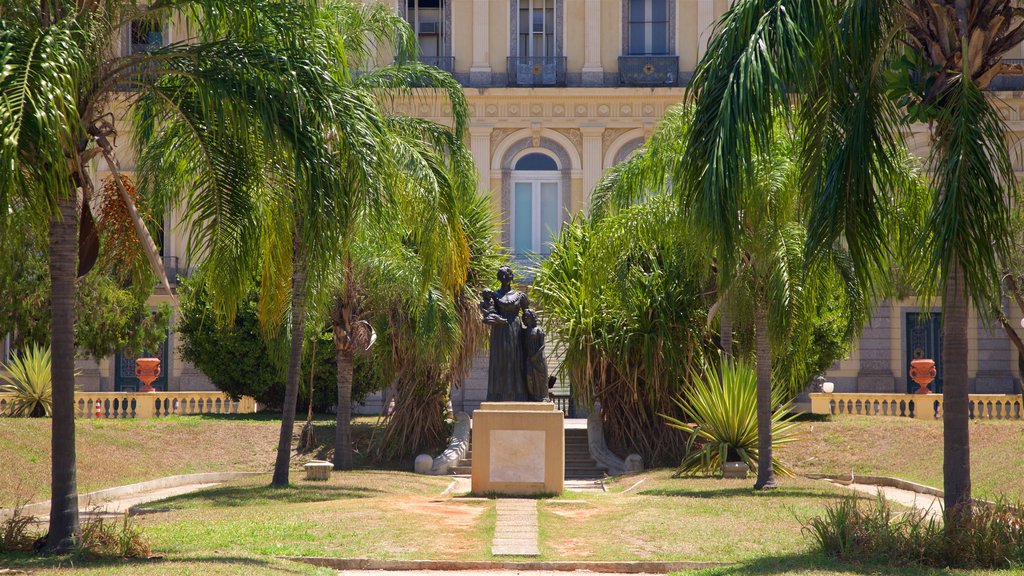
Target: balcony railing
(649,70)
(446,63)
(123,405)
(920,406)
(536,71)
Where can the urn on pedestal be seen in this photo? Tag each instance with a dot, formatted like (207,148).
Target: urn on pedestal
(923,372)
(147,370)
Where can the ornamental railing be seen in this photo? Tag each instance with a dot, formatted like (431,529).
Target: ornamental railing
(123,405)
(536,71)
(446,63)
(920,406)
(649,70)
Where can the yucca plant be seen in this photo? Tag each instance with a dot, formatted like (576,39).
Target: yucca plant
(723,404)
(28,379)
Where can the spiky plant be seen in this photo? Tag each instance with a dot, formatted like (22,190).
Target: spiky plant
(722,402)
(28,381)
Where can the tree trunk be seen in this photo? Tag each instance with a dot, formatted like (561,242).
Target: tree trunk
(956,468)
(765,471)
(291,388)
(725,329)
(343,431)
(64,528)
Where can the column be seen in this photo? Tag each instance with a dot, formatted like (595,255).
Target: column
(994,370)
(593,164)
(480,147)
(593,71)
(480,70)
(705,18)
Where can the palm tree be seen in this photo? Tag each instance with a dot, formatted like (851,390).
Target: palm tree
(770,289)
(58,82)
(432,186)
(290,208)
(861,70)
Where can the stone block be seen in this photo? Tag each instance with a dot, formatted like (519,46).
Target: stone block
(518,448)
(735,470)
(423,464)
(318,470)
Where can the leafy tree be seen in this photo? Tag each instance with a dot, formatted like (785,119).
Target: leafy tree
(861,71)
(109,316)
(240,361)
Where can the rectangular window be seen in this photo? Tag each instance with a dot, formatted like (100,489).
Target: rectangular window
(648,27)
(536,28)
(144,36)
(427,19)
(522,240)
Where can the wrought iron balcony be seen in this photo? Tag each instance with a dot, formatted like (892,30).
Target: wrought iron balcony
(536,71)
(446,63)
(649,70)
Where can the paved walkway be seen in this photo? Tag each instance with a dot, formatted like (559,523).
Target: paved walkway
(483,573)
(515,532)
(931,505)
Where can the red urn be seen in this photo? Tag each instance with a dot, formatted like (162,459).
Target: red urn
(923,372)
(147,370)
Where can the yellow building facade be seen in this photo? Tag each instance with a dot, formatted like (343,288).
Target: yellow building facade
(559,91)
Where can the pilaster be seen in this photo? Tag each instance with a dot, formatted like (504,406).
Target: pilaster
(592,165)
(480,147)
(593,70)
(705,18)
(480,70)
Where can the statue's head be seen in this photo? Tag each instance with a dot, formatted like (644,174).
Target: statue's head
(529,318)
(505,274)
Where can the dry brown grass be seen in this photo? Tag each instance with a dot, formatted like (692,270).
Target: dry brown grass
(911,449)
(118,452)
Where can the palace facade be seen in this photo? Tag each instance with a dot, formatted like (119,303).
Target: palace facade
(559,91)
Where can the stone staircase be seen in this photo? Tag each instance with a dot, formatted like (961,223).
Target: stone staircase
(579,465)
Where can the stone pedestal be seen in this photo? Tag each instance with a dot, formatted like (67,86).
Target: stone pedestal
(518,448)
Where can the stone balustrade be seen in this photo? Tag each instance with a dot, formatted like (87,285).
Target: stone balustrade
(152,404)
(921,406)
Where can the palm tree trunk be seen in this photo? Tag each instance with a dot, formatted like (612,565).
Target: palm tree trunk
(291,388)
(725,329)
(343,431)
(956,468)
(765,471)
(64,527)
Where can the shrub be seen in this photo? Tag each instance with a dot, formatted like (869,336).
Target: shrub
(29,382)
(112,539)
(992,536)
(15,531)
(723,403)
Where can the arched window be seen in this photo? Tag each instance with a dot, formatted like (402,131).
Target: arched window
(536,204)
(536,161)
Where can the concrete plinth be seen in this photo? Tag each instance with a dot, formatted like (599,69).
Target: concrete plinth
(518,448)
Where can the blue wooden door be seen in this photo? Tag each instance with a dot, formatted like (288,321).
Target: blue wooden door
(924,340)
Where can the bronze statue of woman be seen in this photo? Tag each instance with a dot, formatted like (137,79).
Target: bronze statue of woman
(506,380)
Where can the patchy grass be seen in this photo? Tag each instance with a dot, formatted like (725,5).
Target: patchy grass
(911,449)
(118,452)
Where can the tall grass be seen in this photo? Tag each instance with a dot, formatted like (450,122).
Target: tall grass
(855,531)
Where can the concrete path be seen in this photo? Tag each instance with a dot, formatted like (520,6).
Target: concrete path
(515,532)
(484,573)
(120,506)
(931,505)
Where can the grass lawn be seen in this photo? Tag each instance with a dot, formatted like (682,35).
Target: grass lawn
(240,527)
(117,452)
(912,450)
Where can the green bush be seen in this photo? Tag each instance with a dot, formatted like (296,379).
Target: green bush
(240,361)
(992,536)
(29,381)
(723,403)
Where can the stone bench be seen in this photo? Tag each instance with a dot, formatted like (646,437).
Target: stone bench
(318,470)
